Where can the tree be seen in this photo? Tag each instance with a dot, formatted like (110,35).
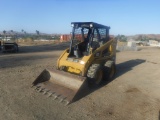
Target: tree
(37,32)
(12,34)
(121,38)
(139,38)
(4,34)
(25,32)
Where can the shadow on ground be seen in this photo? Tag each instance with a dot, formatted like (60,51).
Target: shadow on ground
(21,58)
(40,48)
(12,61)
(122,68)
(43,48)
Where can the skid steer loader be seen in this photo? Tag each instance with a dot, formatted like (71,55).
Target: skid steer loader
(88,61)
(9,46)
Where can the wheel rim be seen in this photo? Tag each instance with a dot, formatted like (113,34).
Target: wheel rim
(99,77)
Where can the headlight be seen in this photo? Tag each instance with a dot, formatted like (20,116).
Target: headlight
(82,62)
(72,25)
(91,25)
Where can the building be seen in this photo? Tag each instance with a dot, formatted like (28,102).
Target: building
(65,37)
(154,43)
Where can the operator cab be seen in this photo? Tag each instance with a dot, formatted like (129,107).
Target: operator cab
(87,37)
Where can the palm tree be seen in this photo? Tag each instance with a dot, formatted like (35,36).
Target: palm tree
(12,34)
(4,34)
(11,31)
(37,32)
(25,32)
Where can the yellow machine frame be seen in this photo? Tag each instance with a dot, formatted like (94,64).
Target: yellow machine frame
(80,66)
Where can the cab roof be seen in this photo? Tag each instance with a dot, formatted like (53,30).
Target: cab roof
(89,24)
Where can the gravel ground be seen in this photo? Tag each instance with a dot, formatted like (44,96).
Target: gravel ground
(132,95)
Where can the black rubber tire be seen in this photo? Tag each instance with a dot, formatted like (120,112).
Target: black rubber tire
(95,74)
(15,48)
(109,71)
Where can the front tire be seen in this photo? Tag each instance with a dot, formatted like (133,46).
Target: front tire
(95,74)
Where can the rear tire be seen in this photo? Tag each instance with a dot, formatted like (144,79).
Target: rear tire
(110,70)
(95,74)
(15,48)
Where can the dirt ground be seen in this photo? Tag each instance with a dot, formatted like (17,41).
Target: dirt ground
(132,95)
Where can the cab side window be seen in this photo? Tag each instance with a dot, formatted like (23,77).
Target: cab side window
(95,42)
(103,35)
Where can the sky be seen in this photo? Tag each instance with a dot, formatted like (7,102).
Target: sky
(127,17)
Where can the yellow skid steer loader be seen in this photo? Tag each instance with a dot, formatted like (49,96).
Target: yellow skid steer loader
(88,61)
